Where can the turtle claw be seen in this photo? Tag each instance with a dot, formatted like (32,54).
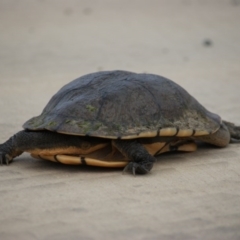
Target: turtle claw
(4,159)
(130,168)
(138,168)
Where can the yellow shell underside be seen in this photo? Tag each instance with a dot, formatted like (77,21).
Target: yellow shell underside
(108,157)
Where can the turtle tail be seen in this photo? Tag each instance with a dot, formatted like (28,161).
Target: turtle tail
(234,131)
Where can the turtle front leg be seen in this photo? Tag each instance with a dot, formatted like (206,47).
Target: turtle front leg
(141,161)
(8,150)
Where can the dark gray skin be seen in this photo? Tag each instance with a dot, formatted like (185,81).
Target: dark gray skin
(25,141)
(141,161)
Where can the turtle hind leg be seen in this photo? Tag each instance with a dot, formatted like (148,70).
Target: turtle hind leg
(141,161)
(233,130)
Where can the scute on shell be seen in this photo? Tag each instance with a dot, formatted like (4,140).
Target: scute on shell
(114,104)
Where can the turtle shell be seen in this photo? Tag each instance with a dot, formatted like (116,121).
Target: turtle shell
(126,105)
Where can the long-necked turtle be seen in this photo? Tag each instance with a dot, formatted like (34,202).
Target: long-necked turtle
(117,119)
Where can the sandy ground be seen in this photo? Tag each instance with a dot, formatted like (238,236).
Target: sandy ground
(45,44)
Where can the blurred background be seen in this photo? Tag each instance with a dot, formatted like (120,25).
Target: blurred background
(61,39)
(44,44)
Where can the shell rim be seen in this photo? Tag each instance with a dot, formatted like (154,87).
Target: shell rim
(164,132)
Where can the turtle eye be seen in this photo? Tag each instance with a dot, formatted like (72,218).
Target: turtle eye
(85,145)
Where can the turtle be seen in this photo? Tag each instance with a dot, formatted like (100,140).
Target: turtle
(118,119)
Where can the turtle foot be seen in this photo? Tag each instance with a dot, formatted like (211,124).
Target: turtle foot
(138,167)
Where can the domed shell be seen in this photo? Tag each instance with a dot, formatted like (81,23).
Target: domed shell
(120,104)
